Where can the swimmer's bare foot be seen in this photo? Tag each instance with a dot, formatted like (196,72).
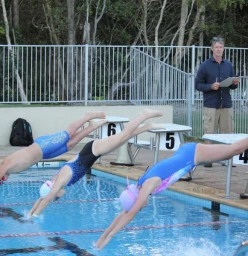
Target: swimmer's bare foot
(152,112)
(147,127)
(95,114)
(154,126)
(96,124)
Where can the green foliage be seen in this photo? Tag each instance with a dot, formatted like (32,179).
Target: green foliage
(224,4)
(2,31)
(59,14)
(2,35)
(122,21)
(118,23)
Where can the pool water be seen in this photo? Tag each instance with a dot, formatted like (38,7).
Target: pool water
(168,226)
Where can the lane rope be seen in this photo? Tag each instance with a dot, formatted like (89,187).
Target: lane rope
(73,232)
(65,202)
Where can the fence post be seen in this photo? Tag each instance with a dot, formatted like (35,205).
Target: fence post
(131,78)
(190,96)
(86,63)
(193,74)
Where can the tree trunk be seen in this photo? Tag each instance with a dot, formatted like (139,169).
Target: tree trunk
(159,22)
(19,81)
(200,10)
(70,53)
(156,91)
(201,37)
(86,33)
(100,8)
(144,21)
(54,40)
(50,23)
(71,22)
(15,4)
(183,19)
(185,15)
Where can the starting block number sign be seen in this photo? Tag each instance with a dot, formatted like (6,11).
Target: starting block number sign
(169,141)
(241,159)
(110,129)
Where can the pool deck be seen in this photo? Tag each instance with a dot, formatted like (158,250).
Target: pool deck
(207,183)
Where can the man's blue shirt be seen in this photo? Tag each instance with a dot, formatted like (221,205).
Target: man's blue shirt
(209,72)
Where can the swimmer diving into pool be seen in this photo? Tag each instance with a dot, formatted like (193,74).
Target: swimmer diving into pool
(163,174)
(76,168)
(50,146)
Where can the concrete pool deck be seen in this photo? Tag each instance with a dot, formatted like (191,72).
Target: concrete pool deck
(207,183)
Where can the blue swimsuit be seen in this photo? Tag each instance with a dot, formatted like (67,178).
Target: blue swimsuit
(171,169)
(84,161)
(53,145)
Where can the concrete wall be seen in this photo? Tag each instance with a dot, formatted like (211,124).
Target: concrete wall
(45,120)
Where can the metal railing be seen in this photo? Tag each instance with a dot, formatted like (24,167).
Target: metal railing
(158,83)
(118,74)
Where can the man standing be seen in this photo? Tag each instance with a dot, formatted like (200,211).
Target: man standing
(217,100)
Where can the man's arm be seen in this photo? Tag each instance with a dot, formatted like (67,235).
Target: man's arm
(200,83)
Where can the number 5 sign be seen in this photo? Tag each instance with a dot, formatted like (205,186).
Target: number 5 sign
(169,141)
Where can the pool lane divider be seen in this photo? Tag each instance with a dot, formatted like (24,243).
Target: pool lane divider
(75,232)
(65,202)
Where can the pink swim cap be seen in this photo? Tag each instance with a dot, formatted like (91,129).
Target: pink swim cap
(45,188)
(129,196)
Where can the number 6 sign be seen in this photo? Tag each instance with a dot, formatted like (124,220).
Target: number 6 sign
(110,129)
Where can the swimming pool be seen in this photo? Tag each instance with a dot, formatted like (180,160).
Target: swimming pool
(168,226)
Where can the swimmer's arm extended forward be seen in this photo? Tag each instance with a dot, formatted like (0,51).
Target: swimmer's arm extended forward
(122,220)
(61,180)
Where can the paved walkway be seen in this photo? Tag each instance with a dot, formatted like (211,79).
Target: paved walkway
(207,183)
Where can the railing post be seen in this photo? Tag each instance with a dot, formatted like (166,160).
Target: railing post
(86,63)
(131,77)
(190,96)
(193,74)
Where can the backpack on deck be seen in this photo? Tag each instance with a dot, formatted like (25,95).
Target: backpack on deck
(21,133)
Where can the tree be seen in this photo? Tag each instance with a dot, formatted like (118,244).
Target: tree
(15,4)
(126,22)
(71,22)
(19,81)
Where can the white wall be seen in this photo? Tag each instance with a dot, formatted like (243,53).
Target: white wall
(45,120)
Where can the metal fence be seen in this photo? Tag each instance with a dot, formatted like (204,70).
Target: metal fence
(117,74)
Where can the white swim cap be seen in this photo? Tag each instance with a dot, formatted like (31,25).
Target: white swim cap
(45,188)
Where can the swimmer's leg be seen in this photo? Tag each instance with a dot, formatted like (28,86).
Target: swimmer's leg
(74,127)
(50,144)
(59,143)
(93,125)
(132,129)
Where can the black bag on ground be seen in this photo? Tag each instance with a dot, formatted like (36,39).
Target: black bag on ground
(21,133)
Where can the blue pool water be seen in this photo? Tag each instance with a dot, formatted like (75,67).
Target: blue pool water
(168,226)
